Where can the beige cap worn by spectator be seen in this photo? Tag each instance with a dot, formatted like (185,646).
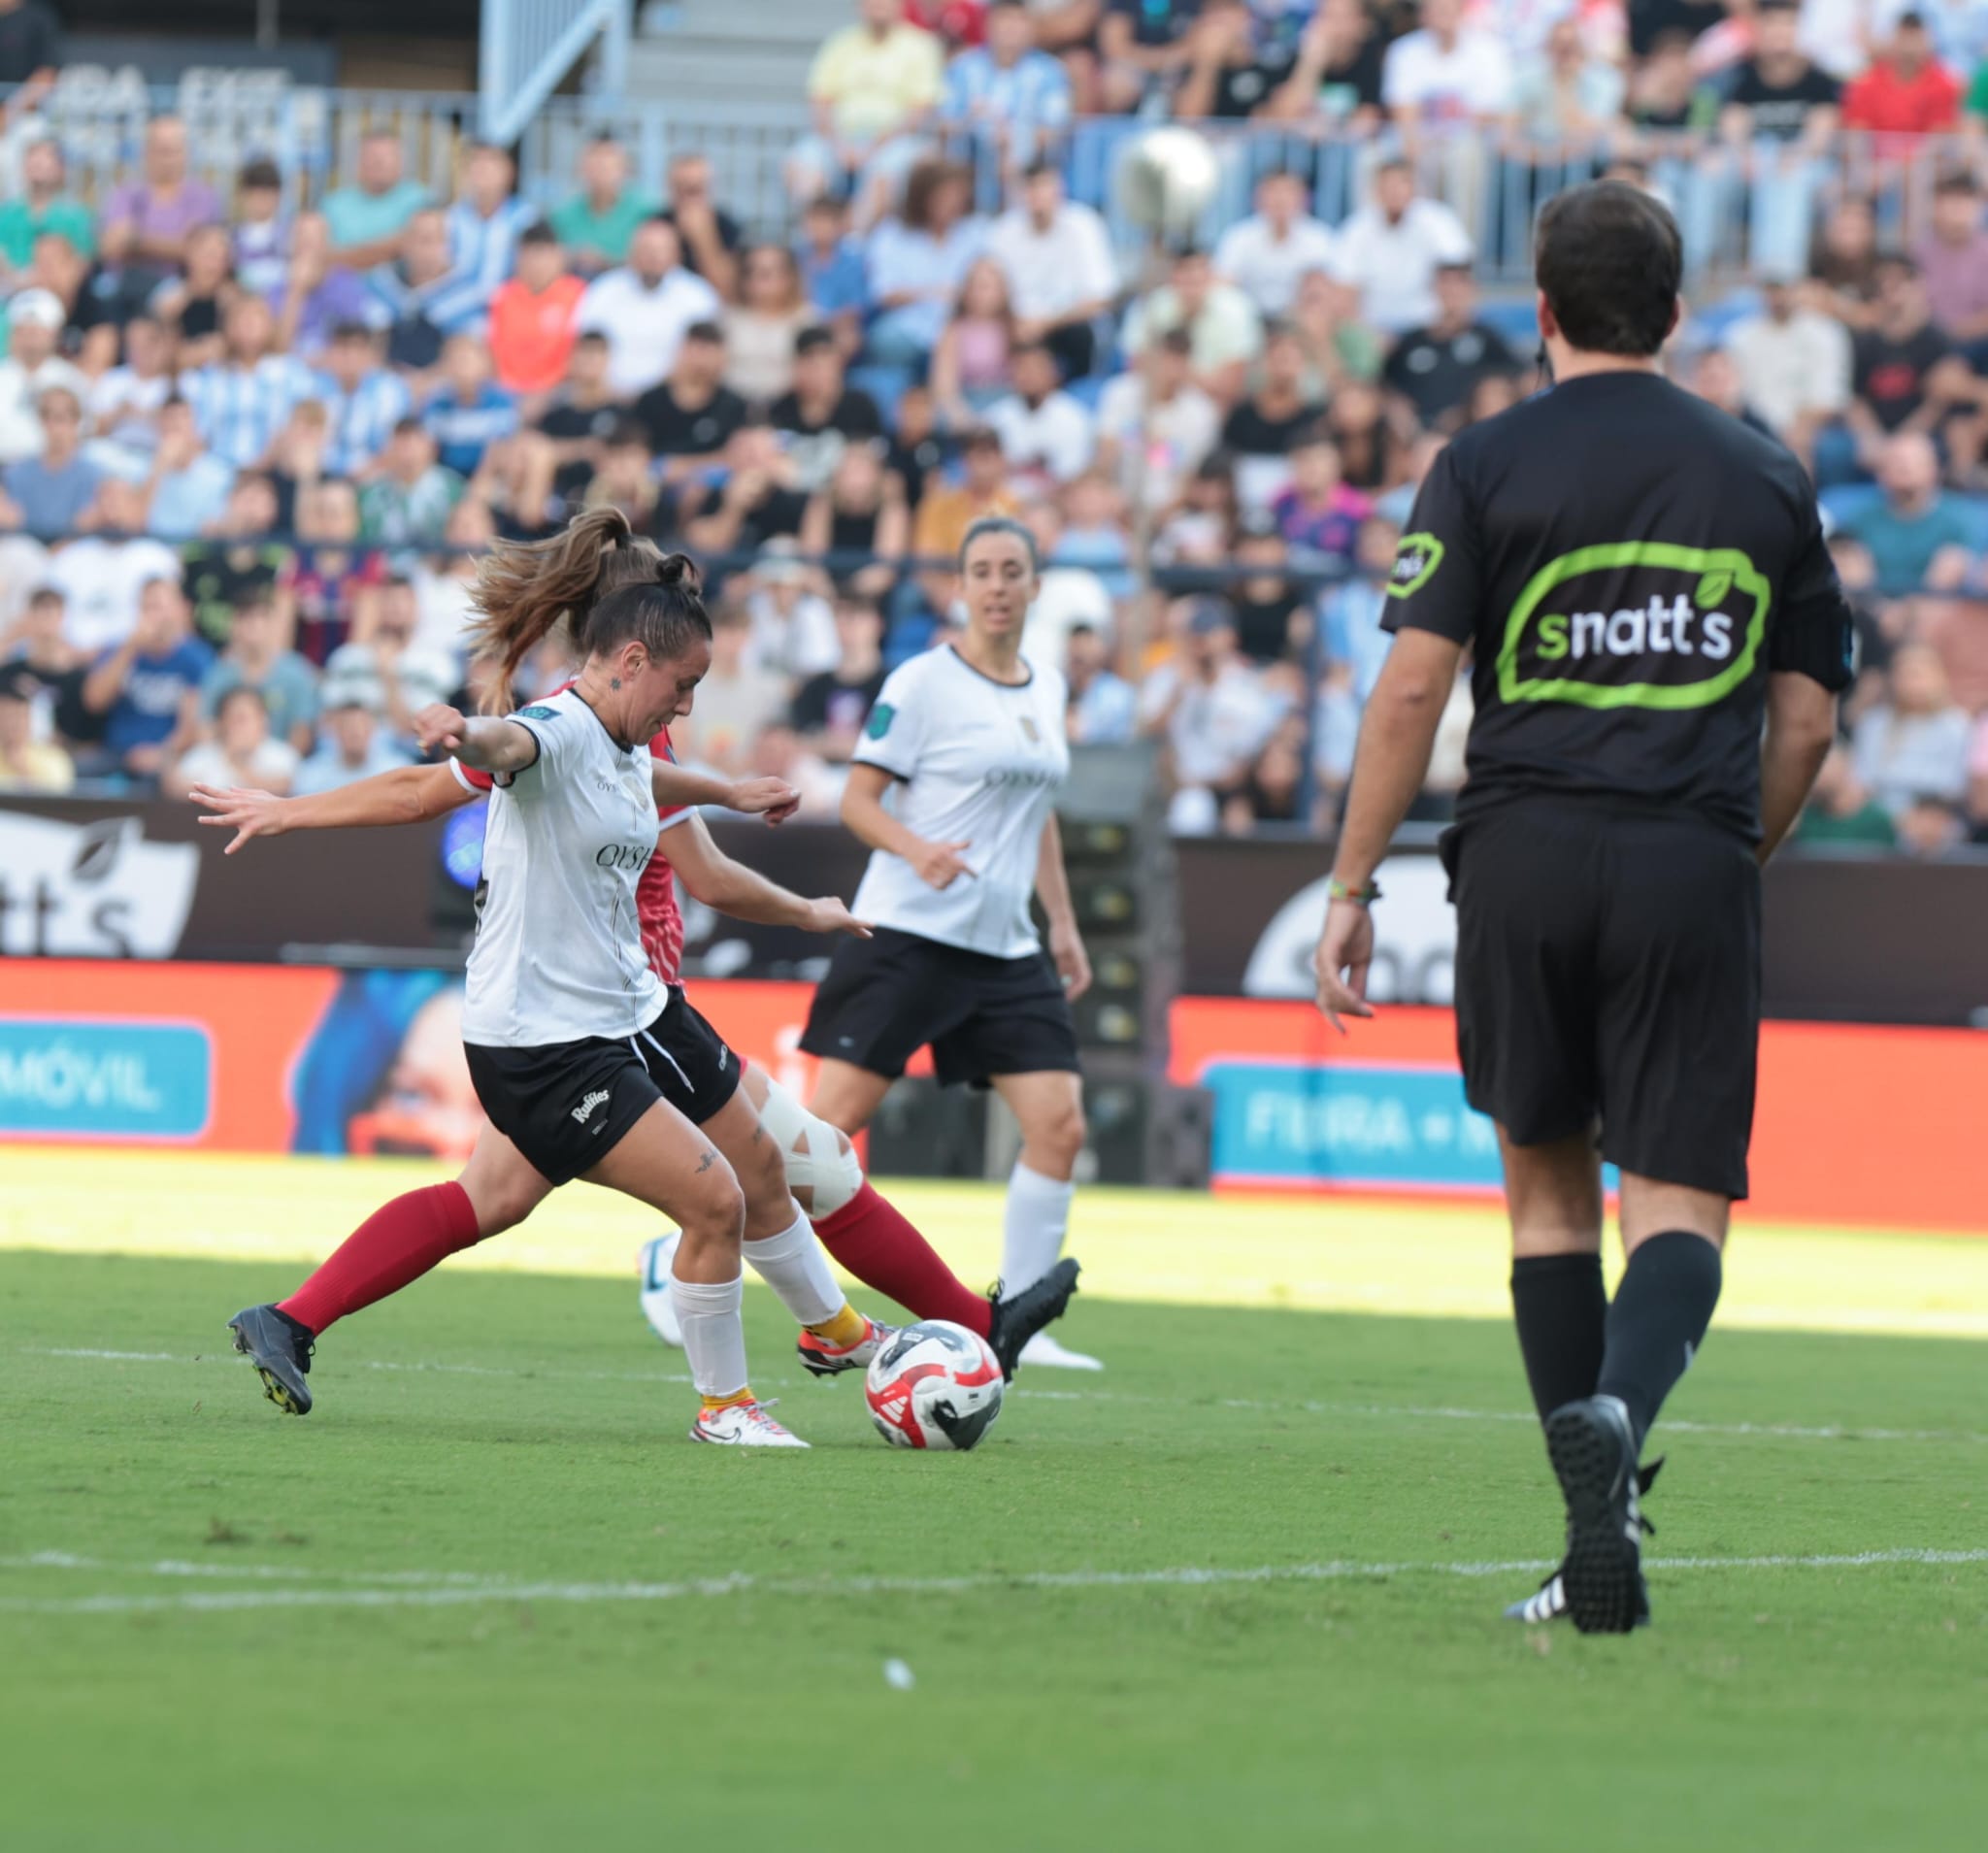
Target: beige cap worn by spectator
(41,307)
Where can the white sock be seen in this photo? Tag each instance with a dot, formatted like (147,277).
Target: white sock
(714,1334)
(1033,1228)
(795,1266)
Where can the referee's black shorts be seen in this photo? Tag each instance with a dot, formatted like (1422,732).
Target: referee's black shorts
(1608,973)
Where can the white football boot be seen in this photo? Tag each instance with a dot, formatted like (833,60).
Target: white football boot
(658,1257)
(1058,1356)
(742,1425)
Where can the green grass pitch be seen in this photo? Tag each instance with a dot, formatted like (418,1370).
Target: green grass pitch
(1243,1590)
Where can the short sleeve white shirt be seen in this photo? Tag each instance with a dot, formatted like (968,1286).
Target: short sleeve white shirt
(1050,273)
(1268,269)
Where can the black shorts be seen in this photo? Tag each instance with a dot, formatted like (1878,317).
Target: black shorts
(565,1105)
(1607,973)
(883,999)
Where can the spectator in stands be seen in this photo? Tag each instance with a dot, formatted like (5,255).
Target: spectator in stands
(259,235)
(385,666)
(1265,255)
(1391,251)
(793,621)
(581,412)
(1338,344)
(534,315)
(353,746)
(737,699)
(1779,115)
(318,294)
(1839,810)
(1916,535)
(1102,708)
(1229,76)
(32,367)
(1200,528)
(407,504)
(30,50)
(36,643)
(597,223)
(243,400)
(145,222)
(1273,792)
(691,417)
(470,411)
(1272,620)
(1906,91)
(368,218)
(1013,99)
(101,575)
(1905,374)
(240,752)
(1914,745)
(1224,331)
(872,91)
(1953,261)
(255,658)
(1156,425)
(832,270)
(762,326)
(486,219)
(1057,258)
(53,494)
(643,308)
(192,302)
(970,365)
(148,688)
(125,404)
(362,400)
(422,298)
(948,508)
(327,581)
(1668,96)
(1564,93)
(625,479)
(1145,46)
(42,205)
(1794,365)
(1067,594)
(860,521)
(1434,369)
(1320,513)
(916,262)
(26,764)
(763,497)
(823,413)
(829,711)
(1449,86)
(711,235)
(1044,431)
(1212,710)
(1262,430)
(1337,78)
(1716,378)
(1369,451)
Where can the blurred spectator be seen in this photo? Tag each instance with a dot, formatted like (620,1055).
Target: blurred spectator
(42,205)
(736,698)
(1338,344)
(1144,46)
(1931,826)
(1779,115)
(534,317)
(1953,261)
(238,559)
(470,411)
(327,581)
(1228,75)
(1156,425)
(1916,534)
(362,400)
(793,621)
(1102,708)
(1794,366)
(148,688)
(386,668)
(30,50)
(255,658)
(1210,708)
(691,417)
(948,509)
(625,479)
(423,299)
(872,90)
(1914,745)
(823,413)
(970,364)
(1564,92)
(244,399)
(1274,790)
(1356,421)
(1057,258)
(1224,331)
(1200,528)
(1044,431)
(34,320)
(763,497)
(1905,374)
(260,234)
(1094,529)
(916,261)
(192,302)
(368,218)
(1447,86)
(101,575)
(1355,612)
(1716,378)
(486,219)
(1337,79)
(1906,91)
(1391,251)
(918,448)
(832,270)
(125,402)
(36,642)
(241,751)
(317,295)
(1320,513)
(830,709)
(1272,621)
(1259,433)
(145,222)
(353,746)
(1667,94)
(581,412)
(778,753)
(711,235)
(26,764)
(1014,98)
(407,504)
(644,307)
(1839,810)
(597,223)
(50,494)
(763,325)
(1265,255)
(861,515)
(1434,369)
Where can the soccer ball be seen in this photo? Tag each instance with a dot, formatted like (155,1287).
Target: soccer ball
(935,1385)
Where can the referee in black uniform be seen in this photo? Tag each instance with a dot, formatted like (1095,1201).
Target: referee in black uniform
(1644,586)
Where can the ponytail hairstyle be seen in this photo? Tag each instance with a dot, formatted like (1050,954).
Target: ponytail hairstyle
(525,593)
(1001,525)
(663,611)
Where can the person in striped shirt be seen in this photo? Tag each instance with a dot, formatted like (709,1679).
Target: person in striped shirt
(424,298)
(362,399)
(243,400)
(1011,96)
(486,219)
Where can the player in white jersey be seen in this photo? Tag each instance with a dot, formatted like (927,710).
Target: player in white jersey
(954,787)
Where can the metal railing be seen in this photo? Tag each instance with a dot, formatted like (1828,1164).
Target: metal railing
(526,47)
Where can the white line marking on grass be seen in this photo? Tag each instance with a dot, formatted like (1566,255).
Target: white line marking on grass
(454,1595)
(255,1572)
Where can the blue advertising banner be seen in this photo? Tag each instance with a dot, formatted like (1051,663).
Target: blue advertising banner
(67,1077)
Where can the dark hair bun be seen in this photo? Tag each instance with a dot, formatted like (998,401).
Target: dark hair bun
(680,568)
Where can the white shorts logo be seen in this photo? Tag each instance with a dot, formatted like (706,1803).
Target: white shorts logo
(585,1110)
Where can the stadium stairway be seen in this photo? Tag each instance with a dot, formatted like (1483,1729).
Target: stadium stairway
(727,50)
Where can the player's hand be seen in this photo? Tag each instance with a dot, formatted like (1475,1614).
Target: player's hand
(1073,963)
(938,865)
(440,727)
(1345,949)
(772,799)
(242,808)
(830,915)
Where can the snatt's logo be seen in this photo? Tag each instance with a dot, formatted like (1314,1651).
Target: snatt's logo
(1635,624)
(1416,557)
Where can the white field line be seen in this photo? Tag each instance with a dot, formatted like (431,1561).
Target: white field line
(1771,1430)
(456,1595)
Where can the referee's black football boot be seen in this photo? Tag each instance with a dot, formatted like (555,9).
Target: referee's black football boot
(279,1347)
(1017,1317)
(1593,1450)
(1548,1602)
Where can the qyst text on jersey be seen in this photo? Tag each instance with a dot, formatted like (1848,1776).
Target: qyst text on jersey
(627,858)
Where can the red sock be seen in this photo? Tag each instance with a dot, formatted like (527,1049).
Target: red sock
(397,1243)
(882,1249)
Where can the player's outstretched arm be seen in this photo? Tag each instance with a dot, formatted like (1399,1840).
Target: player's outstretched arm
(408,794)
(679,790)
(1801,725)
(1052,886)
(731,888)
(483,741)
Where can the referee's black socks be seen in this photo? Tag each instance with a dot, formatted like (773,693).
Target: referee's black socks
(1562,1311)
(1662,1308)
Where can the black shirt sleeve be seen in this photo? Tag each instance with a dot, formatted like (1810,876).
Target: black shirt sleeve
(1814,633)
(1438,580)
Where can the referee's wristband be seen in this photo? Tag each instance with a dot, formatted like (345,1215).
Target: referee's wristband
(1365,895)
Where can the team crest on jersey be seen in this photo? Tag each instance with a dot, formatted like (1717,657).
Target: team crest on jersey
(537,711)
(880,718)
(1415,560)
(1031,730)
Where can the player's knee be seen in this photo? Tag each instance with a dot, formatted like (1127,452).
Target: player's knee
(503,1204)
(822,1167)
(713,1210)
(1059,1135)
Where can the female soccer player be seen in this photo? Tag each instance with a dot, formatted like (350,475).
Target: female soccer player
(972,735)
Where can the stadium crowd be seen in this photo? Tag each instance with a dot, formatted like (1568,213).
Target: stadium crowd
(250,445)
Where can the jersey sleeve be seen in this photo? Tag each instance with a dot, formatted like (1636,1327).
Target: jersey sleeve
(472,777)
(1437,581)
(551,726)
(894,735)
(1813,635)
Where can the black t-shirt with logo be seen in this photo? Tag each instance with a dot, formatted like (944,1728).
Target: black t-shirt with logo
(1252,432)
(1889,374)
(1780,110)
(1436,373)
(674,432)
(1630,563)
(564,421)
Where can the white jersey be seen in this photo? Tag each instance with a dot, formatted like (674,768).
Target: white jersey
(980,762)
(558,953)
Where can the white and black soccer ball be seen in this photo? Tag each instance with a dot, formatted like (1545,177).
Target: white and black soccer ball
(934,1386)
